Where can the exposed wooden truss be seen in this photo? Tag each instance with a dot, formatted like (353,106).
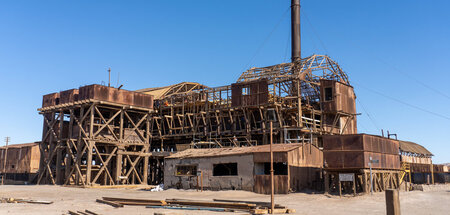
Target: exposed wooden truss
(381,180)
(208,115)
(96,142)
(90,143)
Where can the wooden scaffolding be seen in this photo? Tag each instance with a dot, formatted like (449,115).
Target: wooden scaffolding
(93,142)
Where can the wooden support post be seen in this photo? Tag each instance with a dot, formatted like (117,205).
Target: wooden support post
(272,202)
(340,187)
(201,181)
(299,104)
(89,162)
(327,182)
(392,202)
(59,156)
(354,184)
(365,184)
(432,174)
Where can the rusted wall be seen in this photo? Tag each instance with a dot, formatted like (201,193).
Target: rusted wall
(99,92)
(258,93)
(68,96)
(343,100)
(306,156)
(301,178)
(426,168)
(343,97)
(243,181)
(305,165)
(21,159)
(262,184)
(354,151)
(50,99)
(264,157)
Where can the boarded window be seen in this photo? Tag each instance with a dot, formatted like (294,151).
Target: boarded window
(328,94)
(186,170)
(224,169)
(264,168)
(245,91)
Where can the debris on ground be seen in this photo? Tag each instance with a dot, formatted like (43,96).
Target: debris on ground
(218,205)
(13,200)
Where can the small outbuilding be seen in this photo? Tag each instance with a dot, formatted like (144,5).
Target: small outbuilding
(296,167)
(421,167)
(22,162)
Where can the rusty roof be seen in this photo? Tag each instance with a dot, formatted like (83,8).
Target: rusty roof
(407,146)
(214,152)
(21,145)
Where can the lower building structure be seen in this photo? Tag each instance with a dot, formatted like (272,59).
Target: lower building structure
(296,167)
(19,163)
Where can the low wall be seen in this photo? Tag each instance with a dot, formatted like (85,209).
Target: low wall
(243,181)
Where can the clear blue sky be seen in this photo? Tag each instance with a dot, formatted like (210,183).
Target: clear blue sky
(393,47)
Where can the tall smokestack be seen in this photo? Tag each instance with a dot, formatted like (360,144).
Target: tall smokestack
(295,30)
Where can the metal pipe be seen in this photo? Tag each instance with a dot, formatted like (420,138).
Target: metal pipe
(295,30)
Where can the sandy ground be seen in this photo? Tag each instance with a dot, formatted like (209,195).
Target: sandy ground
(434,201)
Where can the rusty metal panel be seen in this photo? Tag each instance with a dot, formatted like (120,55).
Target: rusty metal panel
(353,159)
(104,93)
(94,91)
(263,157)
(352,142)
(236,94)
(68,96)
(258,93)
(354,151)
(343,97)
(262,184)
(50,99)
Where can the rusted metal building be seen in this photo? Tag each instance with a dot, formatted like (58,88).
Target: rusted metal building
(417,161)
(356,154)
(297,167)
(22,162)
(107,136)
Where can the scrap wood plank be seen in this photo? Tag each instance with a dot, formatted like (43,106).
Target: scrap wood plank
(190,208)
(136,201)
(73,213)
(114,204)
(139,203)
(275,211)
(91,212)
(34,201)
(251,202)
(213,204)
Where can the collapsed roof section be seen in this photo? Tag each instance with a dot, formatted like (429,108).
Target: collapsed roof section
(311,69)
(180,88)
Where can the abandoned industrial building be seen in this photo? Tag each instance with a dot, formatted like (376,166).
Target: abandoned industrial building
(19,163)
(297,167)
(188,134)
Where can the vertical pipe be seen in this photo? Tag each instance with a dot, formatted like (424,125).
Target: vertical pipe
(295,30)
(272,203)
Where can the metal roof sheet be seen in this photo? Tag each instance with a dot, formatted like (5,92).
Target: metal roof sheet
(214,152)
(407,146)
(20,145)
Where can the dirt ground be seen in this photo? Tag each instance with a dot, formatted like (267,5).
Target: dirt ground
(433,201)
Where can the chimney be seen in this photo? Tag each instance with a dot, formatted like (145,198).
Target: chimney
(295,30)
